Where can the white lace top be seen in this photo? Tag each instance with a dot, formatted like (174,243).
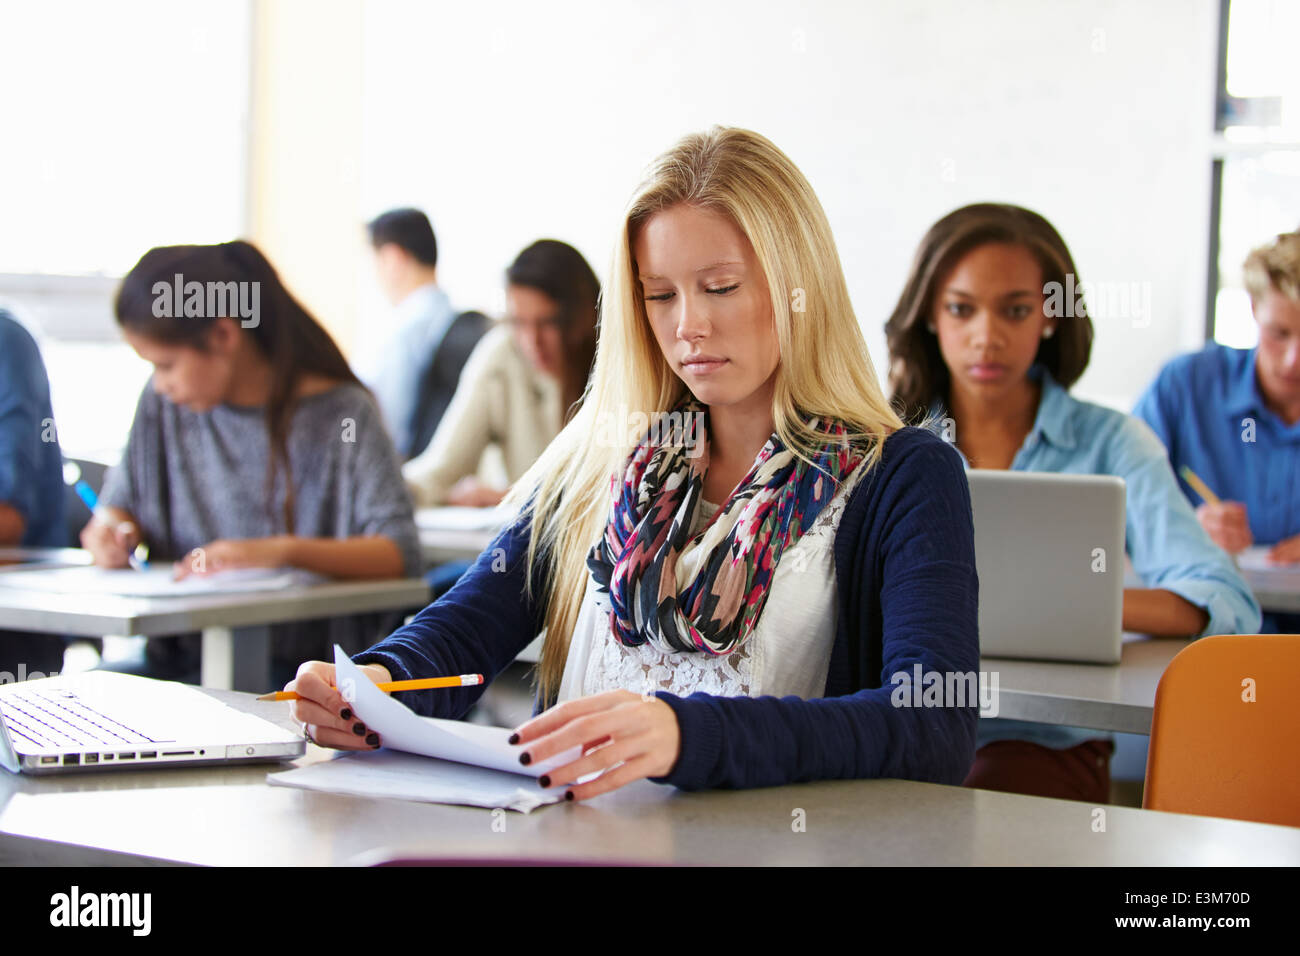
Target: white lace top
(788,652)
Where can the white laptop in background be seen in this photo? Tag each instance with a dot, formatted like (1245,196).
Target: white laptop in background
(1049,549)
(101,720)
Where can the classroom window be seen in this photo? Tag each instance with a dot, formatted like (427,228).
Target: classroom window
(112,146)
(1256,162)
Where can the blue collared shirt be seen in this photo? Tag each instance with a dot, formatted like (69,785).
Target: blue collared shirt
(422,319)
(1208,411)
(31,465)
(1166,544)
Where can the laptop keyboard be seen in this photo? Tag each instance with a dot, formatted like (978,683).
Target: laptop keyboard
(60,720)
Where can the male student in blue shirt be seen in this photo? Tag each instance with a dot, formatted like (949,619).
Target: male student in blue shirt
(406,261)
(31,483)
(1233,417)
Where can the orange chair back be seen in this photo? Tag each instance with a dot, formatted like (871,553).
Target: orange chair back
(1225,736)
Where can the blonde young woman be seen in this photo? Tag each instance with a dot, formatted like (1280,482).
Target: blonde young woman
(735,599)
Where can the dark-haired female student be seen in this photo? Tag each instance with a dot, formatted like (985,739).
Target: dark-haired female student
(253,446)
(978,337)
(726,592)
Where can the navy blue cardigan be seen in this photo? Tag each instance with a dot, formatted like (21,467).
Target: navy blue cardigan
(908,595)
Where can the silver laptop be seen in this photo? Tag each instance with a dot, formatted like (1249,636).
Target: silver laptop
(102,720)
(1049,549)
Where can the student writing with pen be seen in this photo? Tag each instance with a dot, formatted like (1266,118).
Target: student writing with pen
(726,593)
(124,535)
(1232,417)
(253,446)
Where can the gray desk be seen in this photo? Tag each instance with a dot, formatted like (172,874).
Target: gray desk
(232,817)
(236,647)
(1117,698)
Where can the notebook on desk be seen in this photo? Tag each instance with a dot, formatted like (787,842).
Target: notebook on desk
(101,720)
(1049,549)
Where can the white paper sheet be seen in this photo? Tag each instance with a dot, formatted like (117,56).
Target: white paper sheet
(1256,559)
(156,581)
(400,728)
(403,776)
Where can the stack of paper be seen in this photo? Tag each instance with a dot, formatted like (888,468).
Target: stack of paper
(391,773)
(441,761)
(1261,572)
(1256,559)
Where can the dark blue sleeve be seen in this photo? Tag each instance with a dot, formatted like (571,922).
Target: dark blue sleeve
(478,627)
(923,565)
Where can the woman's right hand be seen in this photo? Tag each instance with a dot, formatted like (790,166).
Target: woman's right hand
(325,714)
(110,539)
(1225,522)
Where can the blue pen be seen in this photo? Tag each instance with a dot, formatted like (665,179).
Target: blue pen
(86,494)
(139,558)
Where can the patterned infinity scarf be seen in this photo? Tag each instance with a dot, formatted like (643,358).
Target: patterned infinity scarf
(637,563)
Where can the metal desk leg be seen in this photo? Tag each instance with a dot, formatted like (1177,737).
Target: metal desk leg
(252,663)
(217,666)
(237,659)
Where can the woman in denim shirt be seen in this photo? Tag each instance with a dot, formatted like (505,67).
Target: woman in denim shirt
(989,334)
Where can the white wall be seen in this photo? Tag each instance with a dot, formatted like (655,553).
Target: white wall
(514,120)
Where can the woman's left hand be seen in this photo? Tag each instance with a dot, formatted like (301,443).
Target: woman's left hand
(616,727)
(225,555)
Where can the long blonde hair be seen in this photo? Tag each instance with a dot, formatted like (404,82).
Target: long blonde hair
(825,369)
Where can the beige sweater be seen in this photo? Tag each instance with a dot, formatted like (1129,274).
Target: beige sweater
(501,400)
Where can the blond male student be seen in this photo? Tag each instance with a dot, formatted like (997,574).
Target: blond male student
(1233,417)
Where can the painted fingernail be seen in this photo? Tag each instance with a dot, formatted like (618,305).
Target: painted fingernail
(525,759)
(544,780)
(568,794)
(359,729)
(514,739)
(346,713)
(373,740)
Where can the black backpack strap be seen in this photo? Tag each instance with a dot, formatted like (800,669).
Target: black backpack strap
(442,375)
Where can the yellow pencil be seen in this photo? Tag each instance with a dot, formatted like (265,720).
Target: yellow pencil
(423,683)
(1200,487)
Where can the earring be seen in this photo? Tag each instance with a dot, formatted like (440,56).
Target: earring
(931,329)
(1049,332)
